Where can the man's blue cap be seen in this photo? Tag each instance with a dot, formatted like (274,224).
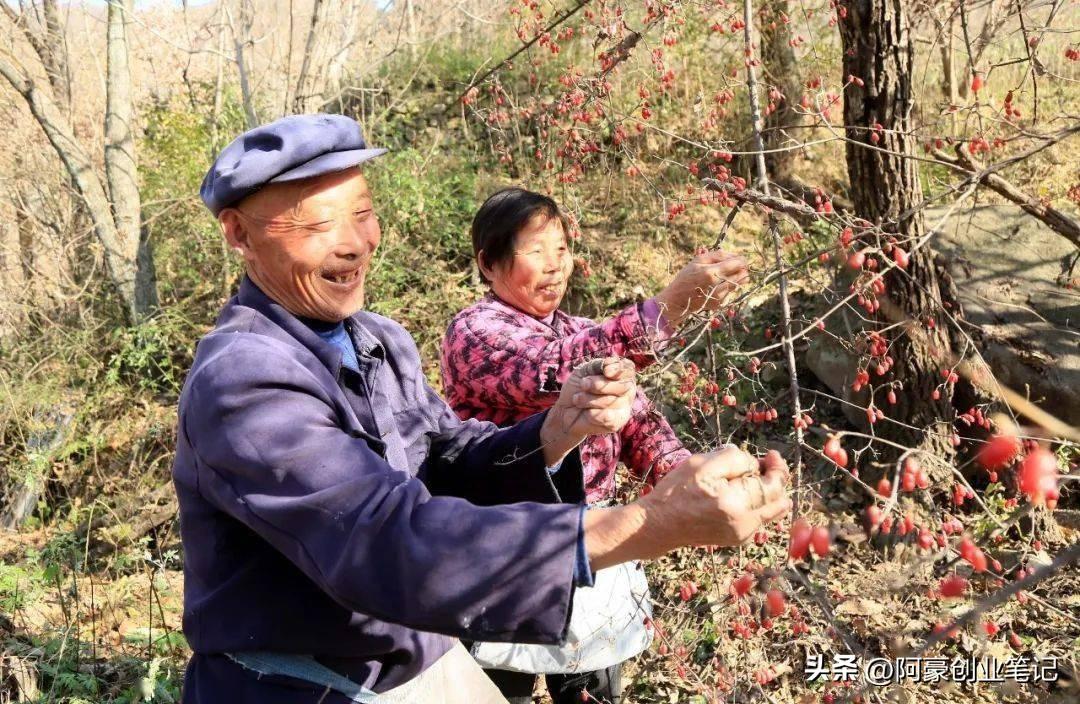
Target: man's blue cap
(289,149)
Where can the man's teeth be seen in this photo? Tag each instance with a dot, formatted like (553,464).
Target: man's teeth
(344,278)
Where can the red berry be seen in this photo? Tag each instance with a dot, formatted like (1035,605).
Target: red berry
(743,584)
(998,451)
(1038,476)
(884,487)
(978,560)
(953,586)
(900,257)
(800,539)
(776,602)
(820,540)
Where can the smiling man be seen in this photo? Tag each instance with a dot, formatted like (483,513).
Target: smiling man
(341,526)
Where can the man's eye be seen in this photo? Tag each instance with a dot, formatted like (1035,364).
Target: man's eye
(321,226)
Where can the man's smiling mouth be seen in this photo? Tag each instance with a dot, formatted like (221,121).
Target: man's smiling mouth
(346,277)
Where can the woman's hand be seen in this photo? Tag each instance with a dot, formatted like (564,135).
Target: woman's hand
(596,399)
(703,284)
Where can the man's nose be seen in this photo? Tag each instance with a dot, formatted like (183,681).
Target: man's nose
(353,240)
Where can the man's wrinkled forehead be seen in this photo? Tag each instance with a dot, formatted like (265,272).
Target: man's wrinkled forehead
(294,199)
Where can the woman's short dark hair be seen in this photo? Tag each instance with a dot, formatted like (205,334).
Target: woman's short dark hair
(502,216)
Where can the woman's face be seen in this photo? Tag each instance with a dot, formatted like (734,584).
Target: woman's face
(535,278)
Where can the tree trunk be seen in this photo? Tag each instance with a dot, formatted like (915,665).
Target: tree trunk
(120,253)
(121,167)
(56,56)
(241,37)
(885,188)
(780,70)
(309,84)
(948,69)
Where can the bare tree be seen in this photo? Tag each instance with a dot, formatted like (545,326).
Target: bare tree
(240,28)
(885,190)
(308,93)
(48,43)
(778,57)
(121,166)
(114,215)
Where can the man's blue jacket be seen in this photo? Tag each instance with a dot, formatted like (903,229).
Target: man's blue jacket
(308,518)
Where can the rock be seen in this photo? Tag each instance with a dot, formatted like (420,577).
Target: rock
(835,367)
(1007,267)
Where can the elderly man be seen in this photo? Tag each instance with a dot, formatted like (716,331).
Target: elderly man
(342,527)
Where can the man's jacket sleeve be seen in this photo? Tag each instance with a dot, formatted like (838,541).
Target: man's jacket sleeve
(271,453)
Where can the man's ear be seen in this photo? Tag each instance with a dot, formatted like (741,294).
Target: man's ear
(235,230)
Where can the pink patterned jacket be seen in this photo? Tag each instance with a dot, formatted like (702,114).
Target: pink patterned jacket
(501,364)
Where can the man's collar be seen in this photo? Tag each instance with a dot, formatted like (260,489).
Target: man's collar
(251,296)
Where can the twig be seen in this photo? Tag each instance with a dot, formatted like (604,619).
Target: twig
(559,19)
(785,304)
(1053,218)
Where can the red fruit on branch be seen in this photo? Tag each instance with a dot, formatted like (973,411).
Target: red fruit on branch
(976,83)
(834,451)
(1038,476)
(742,585)
(800,539)
(998,451)
(900,257)
(776,602)
(873,516)
(820,540)
(884,487)
(952,586)
(966,548)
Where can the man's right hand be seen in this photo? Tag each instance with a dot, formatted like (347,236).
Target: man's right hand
(719,498)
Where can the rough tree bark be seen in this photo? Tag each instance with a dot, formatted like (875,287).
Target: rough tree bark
(241,35)
(309,92)
(121,167)
(49,45)
(778,58)
(885,187)
(122,253)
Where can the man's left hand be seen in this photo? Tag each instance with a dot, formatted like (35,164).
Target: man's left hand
(596,399)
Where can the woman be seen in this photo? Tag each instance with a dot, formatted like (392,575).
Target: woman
(505,358)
